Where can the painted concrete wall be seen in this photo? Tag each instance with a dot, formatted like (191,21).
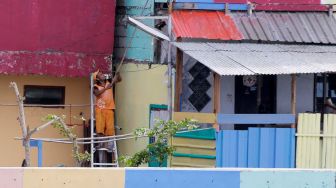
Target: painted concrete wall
(305,93)
(142,48)
(76,92)
(140,88)
(165,178)
(44,37)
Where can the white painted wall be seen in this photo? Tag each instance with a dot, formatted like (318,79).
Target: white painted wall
(227,98)
(305,93)
(227,94)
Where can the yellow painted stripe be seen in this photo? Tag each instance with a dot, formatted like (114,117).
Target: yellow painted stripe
(200,117)
(73,178)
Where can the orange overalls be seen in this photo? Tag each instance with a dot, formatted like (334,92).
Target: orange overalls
(105,112)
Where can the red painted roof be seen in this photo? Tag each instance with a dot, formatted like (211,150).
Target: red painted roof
(204,25)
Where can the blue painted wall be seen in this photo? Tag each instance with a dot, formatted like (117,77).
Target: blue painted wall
(165,178)
(228,178)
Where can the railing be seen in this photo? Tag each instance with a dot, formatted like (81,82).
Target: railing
(255,147)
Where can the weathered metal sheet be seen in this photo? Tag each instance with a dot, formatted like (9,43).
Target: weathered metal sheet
(46,32)
(204,24)
(60,64)
(254,59)
(306,27)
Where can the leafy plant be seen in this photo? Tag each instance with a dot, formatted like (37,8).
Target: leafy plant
(67,132)
(160,148)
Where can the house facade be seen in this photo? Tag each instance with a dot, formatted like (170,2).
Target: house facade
(49,48)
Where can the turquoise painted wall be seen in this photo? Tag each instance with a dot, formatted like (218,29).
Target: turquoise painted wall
(142,48)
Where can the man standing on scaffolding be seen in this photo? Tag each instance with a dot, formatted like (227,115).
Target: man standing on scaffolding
(105,105)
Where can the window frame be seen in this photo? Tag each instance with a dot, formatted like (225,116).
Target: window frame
(25,87)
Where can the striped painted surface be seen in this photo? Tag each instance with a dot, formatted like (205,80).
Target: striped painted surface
(329,142)
(256,148)
(164,178)
(308,154)
(316,148)
(193,152)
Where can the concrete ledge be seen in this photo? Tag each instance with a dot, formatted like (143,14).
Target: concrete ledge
(165,178)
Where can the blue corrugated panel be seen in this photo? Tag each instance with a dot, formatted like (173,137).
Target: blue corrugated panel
(267,148)
(209,6)
(219,149)
(256,148)
(229,149)
(283,143)
(253,147)
(242,149)
(194,1)
(167,178)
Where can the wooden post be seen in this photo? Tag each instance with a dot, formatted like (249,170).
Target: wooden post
(216,97)
(179,75)
(216,94)
(293,97)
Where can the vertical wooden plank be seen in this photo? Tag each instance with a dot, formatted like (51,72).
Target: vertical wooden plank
(253,147)
(219,147)
(317,153)
(325,140)
(310,140)
(242,149)
(178,83)
(333,141)
(216,97)
(216,94)
(299,142)
(229,150)
(267,143)
(304,142)
(293,97)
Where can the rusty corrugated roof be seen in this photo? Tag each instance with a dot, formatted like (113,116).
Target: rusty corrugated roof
(308,27)
(204,25)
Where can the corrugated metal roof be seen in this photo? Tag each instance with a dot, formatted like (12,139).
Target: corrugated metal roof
(251,59)
(204,25)
(308,27)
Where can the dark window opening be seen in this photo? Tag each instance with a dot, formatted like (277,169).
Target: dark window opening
(330,91)
(45,95)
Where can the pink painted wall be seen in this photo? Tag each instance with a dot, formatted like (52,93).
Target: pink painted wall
(46,31)
(11,178)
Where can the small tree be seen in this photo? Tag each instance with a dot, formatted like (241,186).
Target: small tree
(160,149)
(56,121)
(65,131)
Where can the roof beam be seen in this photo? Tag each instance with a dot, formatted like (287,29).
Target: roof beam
(150,30)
